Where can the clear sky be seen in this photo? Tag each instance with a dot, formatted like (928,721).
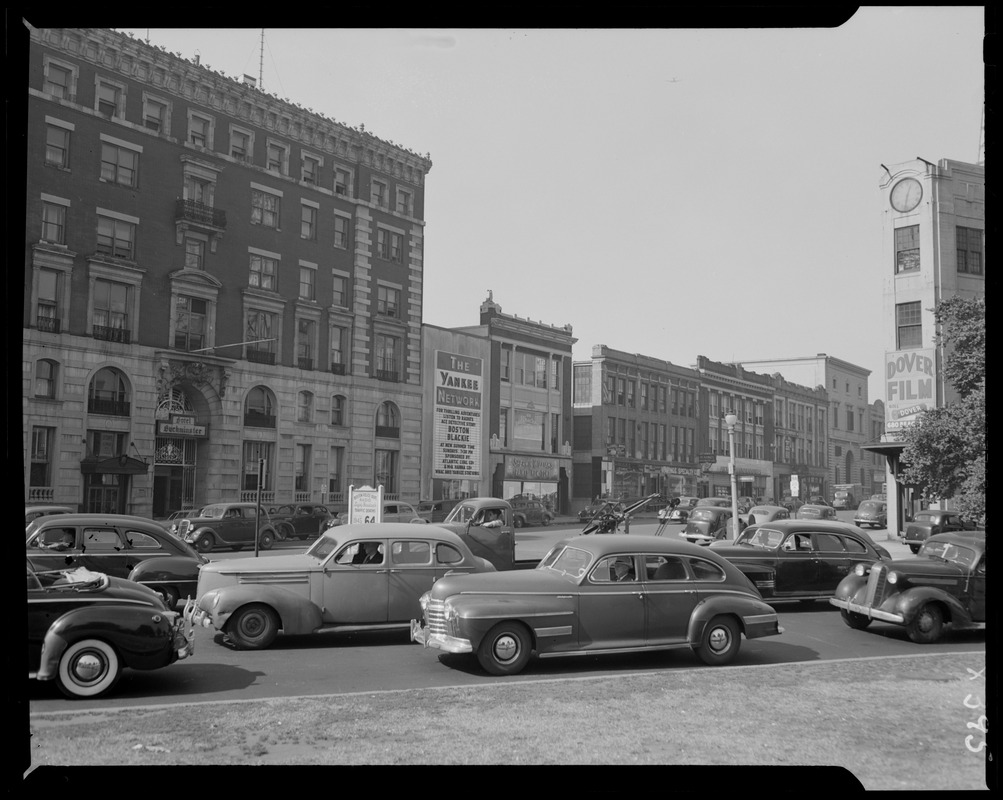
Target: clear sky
(669,192)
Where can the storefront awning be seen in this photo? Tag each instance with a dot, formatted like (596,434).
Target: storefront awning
(886,449)
(116,465)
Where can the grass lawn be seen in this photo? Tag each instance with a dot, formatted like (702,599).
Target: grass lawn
(894,723)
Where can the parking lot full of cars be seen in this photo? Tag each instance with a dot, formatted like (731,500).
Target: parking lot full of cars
(109,592)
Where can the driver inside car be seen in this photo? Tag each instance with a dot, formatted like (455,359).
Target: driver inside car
(623,569)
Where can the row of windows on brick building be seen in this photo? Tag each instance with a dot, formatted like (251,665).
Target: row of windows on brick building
(110,102)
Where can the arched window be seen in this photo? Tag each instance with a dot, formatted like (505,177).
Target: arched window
(388,421)
(339,406)
(259,408)
(45,378)
(108,393)
(304,407)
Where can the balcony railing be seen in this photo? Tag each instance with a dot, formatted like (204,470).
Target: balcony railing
(250,495)
(304,363)
(388,432)
(387,375)
(200,213)
(41,494)
(114,408)
(110,334)
(257,419)
(338,369)
(50,324)
(260,356)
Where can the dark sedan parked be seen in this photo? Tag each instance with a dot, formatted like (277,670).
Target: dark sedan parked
(794,559)
(299,520)
(929,523)
(597,594)
(135,548)
(873,513)
(84,627)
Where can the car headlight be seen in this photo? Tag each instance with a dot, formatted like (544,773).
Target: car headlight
(893,577)
(423,602)
(860,570)
(448,612)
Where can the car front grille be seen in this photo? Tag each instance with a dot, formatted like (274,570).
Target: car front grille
(183,527)
(876,583)
(435,617)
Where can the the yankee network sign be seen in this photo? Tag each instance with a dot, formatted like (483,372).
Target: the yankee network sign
(457,416)
(910,386)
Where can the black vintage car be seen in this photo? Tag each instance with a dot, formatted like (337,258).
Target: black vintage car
(227,525)
(925,524)
(299,520)
(944,584)
(801,559)
(123,546)
(84,627)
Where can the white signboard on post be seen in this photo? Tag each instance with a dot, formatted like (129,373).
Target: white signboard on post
(795,486)
(365,505)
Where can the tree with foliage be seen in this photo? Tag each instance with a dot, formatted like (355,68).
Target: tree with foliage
(945,451)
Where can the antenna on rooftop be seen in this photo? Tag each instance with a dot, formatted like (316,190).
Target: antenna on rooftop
(261,62)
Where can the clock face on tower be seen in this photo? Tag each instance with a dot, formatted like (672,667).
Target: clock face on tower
(906,194)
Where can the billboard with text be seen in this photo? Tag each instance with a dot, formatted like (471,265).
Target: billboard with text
(457,416)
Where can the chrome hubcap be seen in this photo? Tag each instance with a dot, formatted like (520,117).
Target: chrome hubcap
(719,639)
(506,648)
(88,667)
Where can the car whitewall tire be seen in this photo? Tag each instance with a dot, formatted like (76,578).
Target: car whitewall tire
(88,668)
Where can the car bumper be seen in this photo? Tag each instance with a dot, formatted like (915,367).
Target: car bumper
(762,625)
(196,617)
(438,641)
(867,611)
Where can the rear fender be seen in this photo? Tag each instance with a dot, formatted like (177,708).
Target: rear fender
(736,608)
(297,614)
(166,568)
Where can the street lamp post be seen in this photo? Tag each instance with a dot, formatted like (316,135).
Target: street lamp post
(730,421)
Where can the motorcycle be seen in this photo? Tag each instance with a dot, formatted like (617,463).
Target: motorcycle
(610,516)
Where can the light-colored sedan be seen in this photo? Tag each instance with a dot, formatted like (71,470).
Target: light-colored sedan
(767,513)
(352,577)
(816,512)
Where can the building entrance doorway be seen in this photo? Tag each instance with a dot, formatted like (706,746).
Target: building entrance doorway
(174,461)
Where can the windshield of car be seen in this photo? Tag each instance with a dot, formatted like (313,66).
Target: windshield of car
(571,561)
(923,517)
(948,551)
(323,547)
(704,513)
(869,505)
(464,512)
(763,537)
